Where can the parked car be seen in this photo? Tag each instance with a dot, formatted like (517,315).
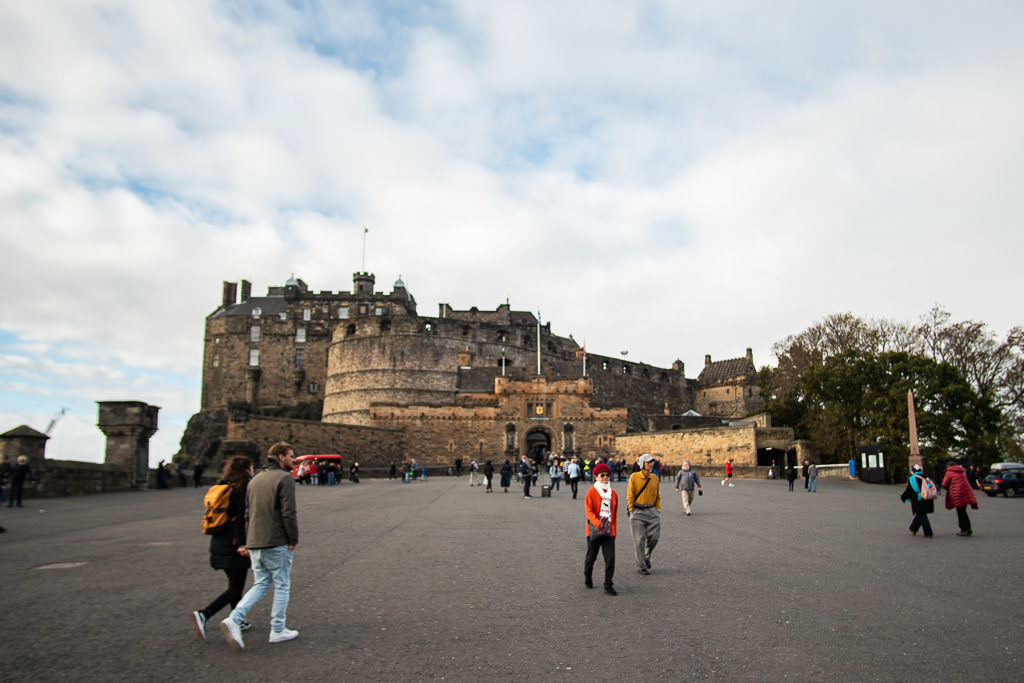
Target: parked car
(1007,482)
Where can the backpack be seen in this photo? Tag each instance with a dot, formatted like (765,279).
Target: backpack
(216,500)
(928,489)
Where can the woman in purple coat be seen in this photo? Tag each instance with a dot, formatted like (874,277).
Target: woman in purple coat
(959,495)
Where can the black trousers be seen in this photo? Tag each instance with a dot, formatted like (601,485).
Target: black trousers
(14,495)
(236,587)
(921,521)
(962,519)
(573,484)
(606,544)
(527,480)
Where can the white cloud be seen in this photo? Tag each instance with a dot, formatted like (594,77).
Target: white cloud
(672,180)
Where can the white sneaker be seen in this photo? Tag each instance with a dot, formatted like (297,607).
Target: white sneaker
(232,633)
(732,485)
(286,634)
(199,621)
(723,482)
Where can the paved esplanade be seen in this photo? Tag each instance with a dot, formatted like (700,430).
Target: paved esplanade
(436,580)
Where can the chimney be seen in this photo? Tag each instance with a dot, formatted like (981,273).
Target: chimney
(246,290)
(229,294)
(750,354)
(707,360)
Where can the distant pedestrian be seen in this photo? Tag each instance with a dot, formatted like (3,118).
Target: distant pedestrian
(643,497)
(728,474)
(458,467)
(790,476)
(812,478)
(526,472)
(353,473)
(506,475)
(197,474)
(474,469)
(556,475)
(686,481)
(601,505)
(806,465)
(271,536)
(227,547)
(573,471)
(488,476)
(19,474)
(392,472)
(920,506)
(959,495)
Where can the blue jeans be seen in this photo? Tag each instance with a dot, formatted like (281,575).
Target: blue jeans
(269,565)
(812,485)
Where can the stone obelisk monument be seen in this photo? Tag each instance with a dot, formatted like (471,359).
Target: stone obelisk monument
(915,450)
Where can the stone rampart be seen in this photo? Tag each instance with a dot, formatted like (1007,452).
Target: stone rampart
(374,446)
(703,447)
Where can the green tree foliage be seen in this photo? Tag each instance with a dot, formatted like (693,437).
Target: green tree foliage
(843,383)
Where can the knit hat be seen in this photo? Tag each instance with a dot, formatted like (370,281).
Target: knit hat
(601,467)
(646,457)
(915,468)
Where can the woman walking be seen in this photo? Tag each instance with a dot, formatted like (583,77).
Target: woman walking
(488,476)
(506,475)
(601,504)
(959,495)
(227,547)
(921,507)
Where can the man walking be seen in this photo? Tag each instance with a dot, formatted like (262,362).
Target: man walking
(643,498)
(686,480)
(272,533)
(812,478)
(526,472)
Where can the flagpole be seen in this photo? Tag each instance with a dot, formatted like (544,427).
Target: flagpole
(538,341)
(584,357)
(365,230)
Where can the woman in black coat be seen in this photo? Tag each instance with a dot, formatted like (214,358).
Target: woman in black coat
(920,506)
(506,475)
(227,548)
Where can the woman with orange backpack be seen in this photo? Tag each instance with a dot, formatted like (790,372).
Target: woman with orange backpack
(227,545)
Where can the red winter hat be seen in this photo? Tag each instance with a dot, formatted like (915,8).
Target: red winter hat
(601,467)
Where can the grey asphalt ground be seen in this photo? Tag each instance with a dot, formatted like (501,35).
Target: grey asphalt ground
(437,580)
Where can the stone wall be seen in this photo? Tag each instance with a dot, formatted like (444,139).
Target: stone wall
(702,447)
(68,477)
(369,446)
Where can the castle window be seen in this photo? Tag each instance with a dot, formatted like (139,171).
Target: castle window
(363,309)
(314,387)
(510,437)
(300,357)
(379,310)
(283,316)
(428,327)
(306,314)
(604,365)
(385,325)
(351,329)
(254,333)
(256,312)
(300,335)
(254,358)
(343,313)
(216,360)
(466,329)
(626,370)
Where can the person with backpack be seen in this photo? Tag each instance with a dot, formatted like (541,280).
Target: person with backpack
(225,523)
(921,493)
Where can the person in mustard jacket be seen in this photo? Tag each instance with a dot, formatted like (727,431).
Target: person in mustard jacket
(601,504)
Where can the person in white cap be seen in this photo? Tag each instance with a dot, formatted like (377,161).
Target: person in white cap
(643,498)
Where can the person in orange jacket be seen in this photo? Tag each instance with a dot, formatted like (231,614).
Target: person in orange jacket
(601,504)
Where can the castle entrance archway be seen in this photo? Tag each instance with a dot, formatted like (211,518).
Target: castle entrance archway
(537,441)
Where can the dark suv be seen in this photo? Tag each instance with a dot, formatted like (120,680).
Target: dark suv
(1008,482)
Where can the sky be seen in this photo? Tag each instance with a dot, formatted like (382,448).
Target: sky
(664,178)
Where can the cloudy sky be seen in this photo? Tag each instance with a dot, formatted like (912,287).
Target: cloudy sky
(672,179)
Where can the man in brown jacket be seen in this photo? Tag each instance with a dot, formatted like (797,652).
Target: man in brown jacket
(272,532)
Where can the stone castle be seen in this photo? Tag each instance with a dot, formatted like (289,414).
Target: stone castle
(361,373)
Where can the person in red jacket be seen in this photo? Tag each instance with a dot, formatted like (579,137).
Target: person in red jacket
(601,504)
(959,495)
